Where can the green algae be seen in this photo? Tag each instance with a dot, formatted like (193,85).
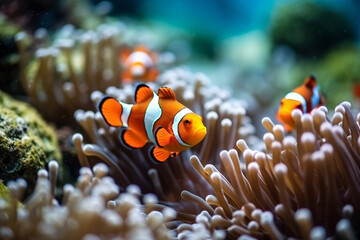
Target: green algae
(27,142)
(309,28)
(4,192)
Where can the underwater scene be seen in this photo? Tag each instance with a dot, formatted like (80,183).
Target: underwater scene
(201,119)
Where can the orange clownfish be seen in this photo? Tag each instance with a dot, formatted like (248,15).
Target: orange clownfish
(139,64)
(157,118)
(305,97)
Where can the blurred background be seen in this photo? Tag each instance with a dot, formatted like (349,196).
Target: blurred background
(259,51)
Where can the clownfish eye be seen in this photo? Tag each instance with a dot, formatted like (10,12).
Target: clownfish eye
(187,122)
(298,107)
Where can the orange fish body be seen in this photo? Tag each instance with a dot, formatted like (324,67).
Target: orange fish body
(356,91)
(139,64)
(157,118)
(305,98)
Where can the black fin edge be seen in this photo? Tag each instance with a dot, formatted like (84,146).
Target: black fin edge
(157,143)
(100,107)
(152,157)
(123,140)
(138,86)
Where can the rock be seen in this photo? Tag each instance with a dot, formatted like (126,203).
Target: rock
(27,142)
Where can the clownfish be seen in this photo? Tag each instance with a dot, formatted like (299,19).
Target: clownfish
(140,64)
(305,97)
(156,118)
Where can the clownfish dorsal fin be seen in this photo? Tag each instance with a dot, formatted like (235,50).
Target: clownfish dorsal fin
(159,154)
(166,93)
(142,93)
(162,137)
(310,81)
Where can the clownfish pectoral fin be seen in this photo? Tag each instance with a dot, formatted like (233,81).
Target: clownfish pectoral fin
(310,82)
(162,137)
(133,139)
(166,93)
(143,93)
(159,154)
(111,110)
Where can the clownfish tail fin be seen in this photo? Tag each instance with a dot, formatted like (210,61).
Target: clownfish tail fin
(111,110)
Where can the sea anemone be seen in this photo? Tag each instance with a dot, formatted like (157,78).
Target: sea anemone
(307,186)
(224,118)
(63,73)
(54,77)
(93,209)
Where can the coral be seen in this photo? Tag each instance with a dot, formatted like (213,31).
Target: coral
(224,118)
(27,143)
(93,209)
(304,186)
(309,28)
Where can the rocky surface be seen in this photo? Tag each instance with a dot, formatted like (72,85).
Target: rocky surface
(27,142)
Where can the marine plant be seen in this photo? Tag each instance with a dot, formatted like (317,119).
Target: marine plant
(304,186)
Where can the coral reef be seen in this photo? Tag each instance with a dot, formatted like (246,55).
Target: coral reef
(232,185)
(305,186)
(93,209)
(27,143)
(224,118)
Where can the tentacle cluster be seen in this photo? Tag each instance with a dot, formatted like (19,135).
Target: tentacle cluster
(93,209)
(64,73)
(307,186)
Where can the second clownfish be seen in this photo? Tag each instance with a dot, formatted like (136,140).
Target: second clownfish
(305,98)
(140,64)
(156,118)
